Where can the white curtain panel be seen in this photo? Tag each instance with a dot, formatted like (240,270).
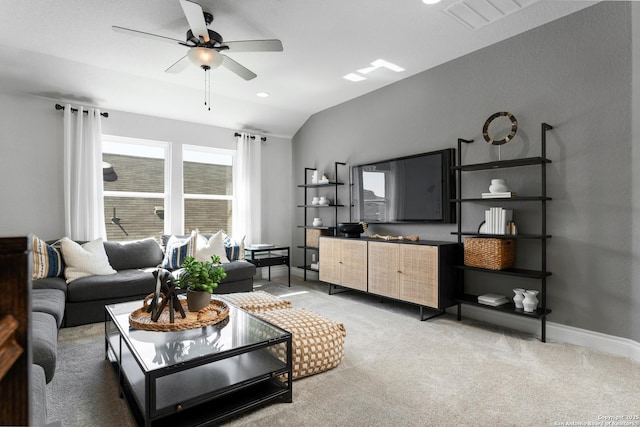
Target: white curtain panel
(83,187)
(247,188)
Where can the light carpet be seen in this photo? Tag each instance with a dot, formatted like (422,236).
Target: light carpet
(397,370)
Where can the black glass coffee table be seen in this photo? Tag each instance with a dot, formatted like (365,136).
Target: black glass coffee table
(199,376)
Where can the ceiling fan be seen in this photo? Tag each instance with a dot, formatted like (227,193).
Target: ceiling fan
(206,46)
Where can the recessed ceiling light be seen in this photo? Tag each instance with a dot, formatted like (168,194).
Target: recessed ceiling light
(430,1)
(262,94)
(381,63)
(354,77)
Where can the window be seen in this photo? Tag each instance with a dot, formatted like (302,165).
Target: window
(135,181)
(207,189)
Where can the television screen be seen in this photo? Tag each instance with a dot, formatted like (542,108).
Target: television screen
(407,189)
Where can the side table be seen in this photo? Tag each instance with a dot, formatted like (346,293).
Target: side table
(267,257)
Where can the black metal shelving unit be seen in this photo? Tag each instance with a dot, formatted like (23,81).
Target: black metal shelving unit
(542,274)
(306,206)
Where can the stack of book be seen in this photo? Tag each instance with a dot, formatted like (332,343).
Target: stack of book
(501,195)
(494,300)
(498,221)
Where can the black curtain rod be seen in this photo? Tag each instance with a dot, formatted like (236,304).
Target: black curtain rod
(75,110)
(263,139)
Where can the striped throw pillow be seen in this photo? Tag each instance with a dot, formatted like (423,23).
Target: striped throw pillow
(47,259)
(178,249)
(234,248)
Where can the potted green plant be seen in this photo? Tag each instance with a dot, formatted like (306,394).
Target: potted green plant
(200,278)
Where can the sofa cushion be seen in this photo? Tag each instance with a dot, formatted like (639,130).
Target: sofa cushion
(45,342)
(38,396)
(49,301)
(84,260)
(47,259)
(58,283)
(135,254)
(126,283)
(238,270)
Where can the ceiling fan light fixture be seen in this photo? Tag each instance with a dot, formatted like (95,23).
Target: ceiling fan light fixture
(204,57)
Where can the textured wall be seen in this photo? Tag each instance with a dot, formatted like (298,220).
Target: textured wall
(575,74)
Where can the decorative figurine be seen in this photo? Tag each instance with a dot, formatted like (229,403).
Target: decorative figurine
(165,288)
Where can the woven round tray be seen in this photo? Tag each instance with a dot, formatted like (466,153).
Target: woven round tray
(215,312)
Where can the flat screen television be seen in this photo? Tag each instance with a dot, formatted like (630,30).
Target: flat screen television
(412,189)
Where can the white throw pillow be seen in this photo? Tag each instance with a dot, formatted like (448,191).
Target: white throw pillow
(85,260)
(214,246)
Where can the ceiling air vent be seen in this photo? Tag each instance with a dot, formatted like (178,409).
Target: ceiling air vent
(474,14)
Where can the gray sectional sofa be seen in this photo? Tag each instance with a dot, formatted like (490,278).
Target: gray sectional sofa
(134,262)
(57,304)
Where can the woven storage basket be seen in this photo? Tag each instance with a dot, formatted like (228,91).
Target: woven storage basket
(313,236)
(492,254)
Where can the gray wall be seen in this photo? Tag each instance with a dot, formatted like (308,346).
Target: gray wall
(575,74)
(31,165)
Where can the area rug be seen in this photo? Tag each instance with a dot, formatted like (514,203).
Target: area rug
(397,370)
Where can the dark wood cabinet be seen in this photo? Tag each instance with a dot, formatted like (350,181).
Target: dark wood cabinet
(15,331)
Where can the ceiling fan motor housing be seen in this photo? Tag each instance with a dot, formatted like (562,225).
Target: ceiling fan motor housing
(215,39)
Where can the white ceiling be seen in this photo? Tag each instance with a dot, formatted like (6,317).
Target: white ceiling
(66,50)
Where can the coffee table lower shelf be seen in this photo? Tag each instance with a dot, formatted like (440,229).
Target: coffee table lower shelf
(212,413)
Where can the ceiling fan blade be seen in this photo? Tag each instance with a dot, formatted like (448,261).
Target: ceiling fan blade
(240,70)
(178,66)
(195,17)
(255,46)
(147,35)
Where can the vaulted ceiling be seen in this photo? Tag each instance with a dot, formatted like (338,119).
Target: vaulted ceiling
(66,50)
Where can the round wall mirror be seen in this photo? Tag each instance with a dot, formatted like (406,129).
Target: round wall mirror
(500,128)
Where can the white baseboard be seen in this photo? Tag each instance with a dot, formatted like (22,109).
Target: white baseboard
(557,332)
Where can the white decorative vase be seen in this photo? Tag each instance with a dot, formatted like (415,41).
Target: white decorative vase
(498,186)
(323,201)
(315,201)
(317,222)
(530,302)
(517,299)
